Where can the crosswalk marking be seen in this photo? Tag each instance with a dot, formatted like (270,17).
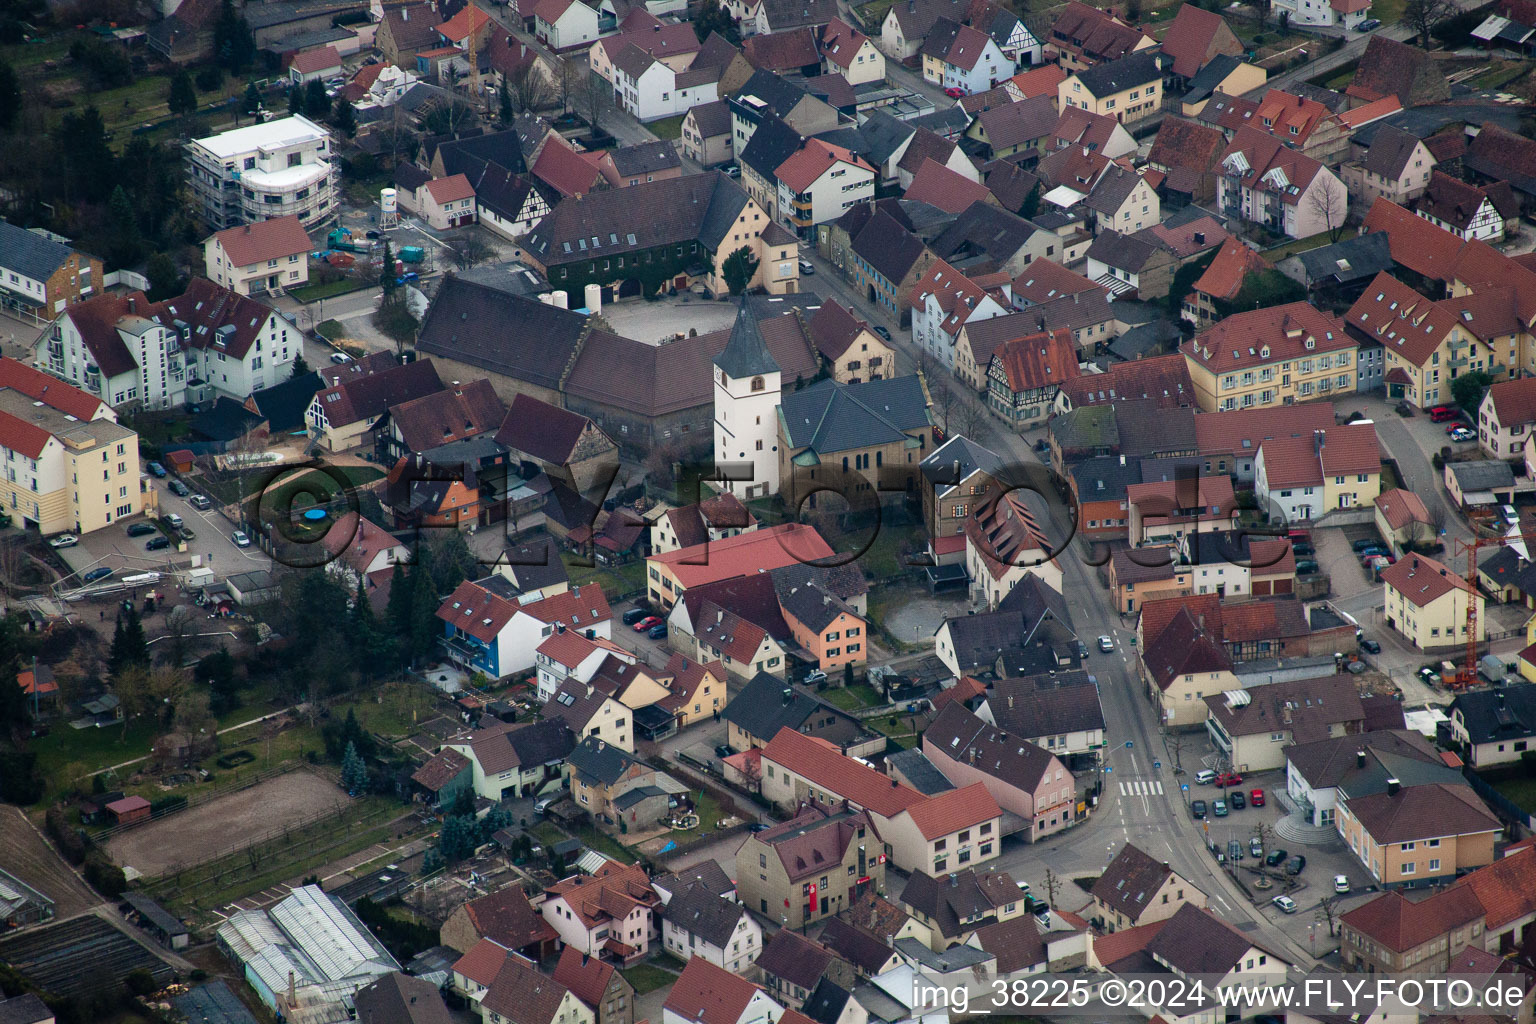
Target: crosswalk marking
(1153,788)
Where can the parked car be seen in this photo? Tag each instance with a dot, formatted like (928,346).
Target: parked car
(1306,567)
(241,539)
(1197,809)
(634,615)
(99,573)
(1276,857)
(732,170)
(1219,808)
(1441,413)
(1106,643)
(1365,542)
(200,502)
(807,268)
(340,358)
(657,632)
(543,806)
(1463,434)
(178,488)
(880,330)
(723,751)
(1234,850)
(172,520)
(1368,25)
(1226,779)
(1511,516)
(1302,548)
(758,826)
(63,540)
(1255,848)
(1296,865)
(141,530)
(646,623)
(1256,797)
(156,470)
(815,676)
(1237,800)
(1205,777)
(1341,883)
(158,544)
(1370,646)
(1285,903)
(187,534)
(954,92)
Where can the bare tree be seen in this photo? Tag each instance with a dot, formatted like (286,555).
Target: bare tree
(567,80)
(1052,887)
(1330,202)
(969,419)
(1327,911)
(1175,744)
(595,98)
(1422,16)
(945,403)
(529,87)
(1263,833)
(470,250)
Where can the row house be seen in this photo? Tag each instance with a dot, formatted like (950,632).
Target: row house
(1026,373)
(1265,182)
(1084,35)
(942,303)
(1300,478)
(487,627)
(1505,417)
(1271,357)
(1128,89)
(39,276)
(1059,711)
(1025,779)
(1397,167)
(818,184)
(957,56)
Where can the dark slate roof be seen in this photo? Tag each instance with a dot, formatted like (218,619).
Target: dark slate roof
(1131,879)
(1195,941)
(645,158)
(984,229)
(1209,77)
(630,797)
(1363,256)
(409,177)
(1116,76)
(760,709)
(699,911)
(955,461)
(225,420)
(1390,151)
(1017,943)
(460,156)
(1508,713)
(826,1002)
(712,118)
(794,958)
(783,14)
(921,774)
(1023,622)
(1105,477)
(401,999)
(961,900)
(504,333)
(883,135)
(30,254)
(778,93)
(283,405)
(541,742)
(865,950)
(811,605)
(746,354)
(830,417)
(888,246)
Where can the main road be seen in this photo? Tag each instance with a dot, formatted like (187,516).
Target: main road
(1141,799)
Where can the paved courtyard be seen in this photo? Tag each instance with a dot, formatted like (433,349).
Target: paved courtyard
(657,321)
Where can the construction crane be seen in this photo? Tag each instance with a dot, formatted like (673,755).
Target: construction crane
(1468,674)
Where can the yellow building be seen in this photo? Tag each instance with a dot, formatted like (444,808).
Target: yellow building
(1427,603)
(1182,665)
(1129,89)
(1237,79)
(1413,835)
(69,465)
(1429,344)
(1271,357)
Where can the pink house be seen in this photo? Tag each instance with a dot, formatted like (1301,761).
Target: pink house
(1023,777)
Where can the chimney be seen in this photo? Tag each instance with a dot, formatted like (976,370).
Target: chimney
(1393,786)
(1359,759)
(130,304)
(954,880)
(1199,237)
(293,995)
(1319,438)
(559,627)
(247,229)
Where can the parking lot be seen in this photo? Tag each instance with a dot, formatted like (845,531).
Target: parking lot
(114,549)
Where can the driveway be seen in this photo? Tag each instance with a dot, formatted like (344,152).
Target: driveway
(1412,442)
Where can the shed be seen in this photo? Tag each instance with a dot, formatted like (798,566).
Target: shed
(255,587)
(129,809)
(180,460)
(167,929)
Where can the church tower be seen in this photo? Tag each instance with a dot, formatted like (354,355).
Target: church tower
(746,407)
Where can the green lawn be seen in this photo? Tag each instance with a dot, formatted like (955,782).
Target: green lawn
(708,809)
(1297,245)
(851,698)
(315,292)
(621,580)
(873,13)
(667,127)
(605,844)
(67,754)
(1521,791)
(647,978)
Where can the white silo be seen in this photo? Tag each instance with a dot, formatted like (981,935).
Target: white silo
(594,296)
(546,298)
(389,208)
(560,299)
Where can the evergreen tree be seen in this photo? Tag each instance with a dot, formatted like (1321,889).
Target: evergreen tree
(300,366)
(129,647)
(398,610)
(233,44)
(295,100)
(10,96)
(251,102)
(343,117)
(315,99)
(209,77)
(183,97)
(164,280)
(423,626)
(387,274)
(88,159)
(354,773)
(505,98)
(713,17)
(123,227)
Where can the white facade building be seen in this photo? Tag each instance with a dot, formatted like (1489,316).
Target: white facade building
(747,381)
(650,90)
(263,171)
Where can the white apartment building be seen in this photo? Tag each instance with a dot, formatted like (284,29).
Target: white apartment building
(264,171)
(206,342)
(66,464)
(819,183)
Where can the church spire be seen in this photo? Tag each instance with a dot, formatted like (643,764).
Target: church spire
(746,354)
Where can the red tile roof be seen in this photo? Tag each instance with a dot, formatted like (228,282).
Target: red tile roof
(450,189)
(1232,265)
(1289,117)
(311,61)
(1040,81)
(1350,448)
(1005,534)
(1401,319)
(51,391)
(586,976)
(1401,508)
(954,809)
(458,27)
(834,328)
(1162,379)
(1038,361)
(941,187)
(565,170)
(821,764)
(841,42)
(1373,111)
(1507,887)
(483,962)
(761,550)
(264,240)
(1189,40)
(1240,431)
(1044,280)
(956,294)
(1400,924)
(709,994)
(1421,579)
(1514,401)
(1240,341)
(814,159)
